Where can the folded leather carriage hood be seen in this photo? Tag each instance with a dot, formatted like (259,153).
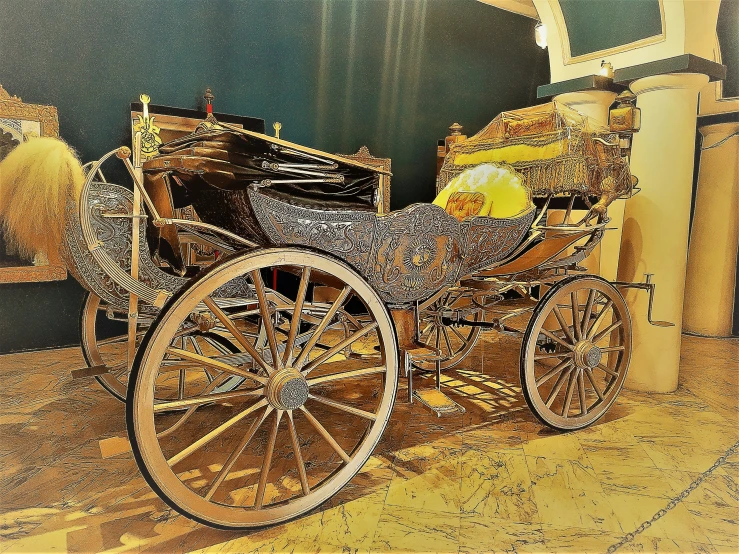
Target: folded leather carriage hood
(213,167)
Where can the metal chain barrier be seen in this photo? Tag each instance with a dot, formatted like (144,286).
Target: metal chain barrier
(675,501)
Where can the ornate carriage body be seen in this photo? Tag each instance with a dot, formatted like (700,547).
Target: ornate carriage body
(314,366)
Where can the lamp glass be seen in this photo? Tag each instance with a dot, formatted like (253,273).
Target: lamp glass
(540,33)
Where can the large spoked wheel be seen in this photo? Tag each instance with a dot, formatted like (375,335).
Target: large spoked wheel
(306,416)
(576,352)
(105,343)
(453,342)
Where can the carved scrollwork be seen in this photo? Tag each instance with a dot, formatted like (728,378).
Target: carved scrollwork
(489,240)
(416,252)
(346,234)
(115,235)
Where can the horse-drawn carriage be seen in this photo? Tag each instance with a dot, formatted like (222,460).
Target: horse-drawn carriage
(250,403)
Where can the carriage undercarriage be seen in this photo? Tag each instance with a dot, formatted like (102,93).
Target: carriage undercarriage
(257,388)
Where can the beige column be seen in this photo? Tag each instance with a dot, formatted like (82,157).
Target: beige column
(594,104)
(656,221)
(711,277)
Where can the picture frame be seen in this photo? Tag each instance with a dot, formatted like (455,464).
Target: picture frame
(18,121)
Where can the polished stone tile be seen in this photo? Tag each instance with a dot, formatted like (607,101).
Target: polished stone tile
(404,530)
(484,534)
(719,488)
(719,523)
(573,539)
(558,473)
(497,484)
(562,507)
(628,479)
(632,510)
(431,491)
(494,479)
(562,447)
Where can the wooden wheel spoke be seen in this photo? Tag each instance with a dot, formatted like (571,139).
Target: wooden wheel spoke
(587,312)
(181,384)
(568,396)
(563,323)
(607,330)
(581,393)
(237,334)
(612,348)
(591,378)
(297,313)
(607,370)
(318,331)
(555,338)
(575,315)
(205,439)
(346,375)
(205,399)
(428,328)
(552,355)
(325,434)
(343,407)
(459,335)
(552,372)
(216,364)
(598,320)
(120,339)
(298,457)
(236,453)
(191,410)
(269,326)
(261,487)
(338,347)
(447,342)
(557,386)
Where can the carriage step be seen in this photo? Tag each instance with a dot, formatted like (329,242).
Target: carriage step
(86,372)
(438,402)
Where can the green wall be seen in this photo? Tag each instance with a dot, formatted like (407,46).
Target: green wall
(338,74)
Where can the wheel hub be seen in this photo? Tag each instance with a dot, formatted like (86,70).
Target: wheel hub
(587,355)
(287,389)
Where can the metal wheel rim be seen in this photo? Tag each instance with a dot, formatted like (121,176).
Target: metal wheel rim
(152,462)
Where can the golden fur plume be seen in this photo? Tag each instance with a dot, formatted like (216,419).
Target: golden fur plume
(36,181)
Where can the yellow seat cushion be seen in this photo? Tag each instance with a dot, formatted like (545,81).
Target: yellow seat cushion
(485,190)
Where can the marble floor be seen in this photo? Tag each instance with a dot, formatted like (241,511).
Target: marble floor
(491,480)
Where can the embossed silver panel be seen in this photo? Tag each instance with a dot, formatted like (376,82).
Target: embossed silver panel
(115,235)
(489,240)
(407,255)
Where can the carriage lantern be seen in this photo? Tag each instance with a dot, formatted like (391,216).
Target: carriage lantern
(625,119)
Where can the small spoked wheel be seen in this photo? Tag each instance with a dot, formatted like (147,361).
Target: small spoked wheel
(454,342)
(576,352)
(303,419)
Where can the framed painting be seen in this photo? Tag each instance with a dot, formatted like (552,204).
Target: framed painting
(18,122)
